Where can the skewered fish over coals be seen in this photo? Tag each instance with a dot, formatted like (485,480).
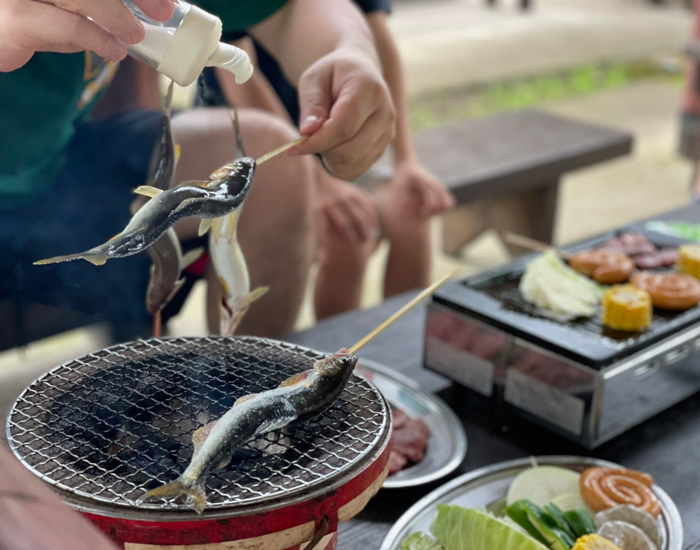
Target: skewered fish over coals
(299,397)
(229,261)
(225,191)
(165,253)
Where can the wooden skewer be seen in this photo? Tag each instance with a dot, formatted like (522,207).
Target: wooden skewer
(157,324)
(533,244)
(400,313)
(280,150)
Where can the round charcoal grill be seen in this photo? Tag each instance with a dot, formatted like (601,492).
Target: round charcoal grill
(104,428)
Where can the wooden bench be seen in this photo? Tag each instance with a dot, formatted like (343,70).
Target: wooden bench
(505,170)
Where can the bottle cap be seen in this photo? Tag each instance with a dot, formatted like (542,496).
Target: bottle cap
(194,42)
(234,60)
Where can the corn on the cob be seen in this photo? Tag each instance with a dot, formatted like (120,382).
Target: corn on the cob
(627,308)
(689,260)
(594,542)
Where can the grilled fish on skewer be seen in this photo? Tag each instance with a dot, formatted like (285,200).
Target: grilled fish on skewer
(223,193)
(166,154)
(229,262)
(232,272)
(296,399)
(166,252)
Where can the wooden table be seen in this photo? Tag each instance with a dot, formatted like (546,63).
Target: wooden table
(667,446)
(503,169)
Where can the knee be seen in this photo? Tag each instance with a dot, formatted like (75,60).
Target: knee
(399,225)
(341,253)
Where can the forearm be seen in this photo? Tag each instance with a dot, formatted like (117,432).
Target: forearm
(392,70)
(303,31)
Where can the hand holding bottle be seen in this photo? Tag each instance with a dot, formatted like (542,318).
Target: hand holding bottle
(66,26)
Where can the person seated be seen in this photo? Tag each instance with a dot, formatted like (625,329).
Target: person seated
(66,180)
(353,218)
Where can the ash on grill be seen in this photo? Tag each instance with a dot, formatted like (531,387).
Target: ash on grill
(119,421)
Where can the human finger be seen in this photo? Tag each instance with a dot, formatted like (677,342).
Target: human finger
(314,100)
(340,220)
(355,156)
(160,10)
(111,15)
(55,29)
(363,219)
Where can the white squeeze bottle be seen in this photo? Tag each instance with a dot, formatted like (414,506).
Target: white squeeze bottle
(182,46)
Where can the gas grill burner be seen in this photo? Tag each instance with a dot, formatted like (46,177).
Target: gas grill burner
(108,426)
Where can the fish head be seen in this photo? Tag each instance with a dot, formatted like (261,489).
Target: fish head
(339,365)
(237,174)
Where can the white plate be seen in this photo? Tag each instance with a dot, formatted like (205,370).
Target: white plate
(488,487)
(447,443)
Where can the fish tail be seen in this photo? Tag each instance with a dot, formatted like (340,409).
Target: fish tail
(194,493)
(95,258)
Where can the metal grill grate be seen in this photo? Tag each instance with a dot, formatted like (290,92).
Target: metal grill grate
(505,290)
(111,424)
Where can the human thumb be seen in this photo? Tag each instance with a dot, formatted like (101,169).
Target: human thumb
(314,100)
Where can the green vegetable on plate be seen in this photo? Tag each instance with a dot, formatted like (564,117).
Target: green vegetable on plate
(580,522)
(457,528)
(419,541)
(557,515)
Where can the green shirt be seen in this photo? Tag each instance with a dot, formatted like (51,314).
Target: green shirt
(41,103)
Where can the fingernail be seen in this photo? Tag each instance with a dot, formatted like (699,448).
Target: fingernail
(310,121)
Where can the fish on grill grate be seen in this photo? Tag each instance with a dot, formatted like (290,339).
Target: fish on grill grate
(299,397)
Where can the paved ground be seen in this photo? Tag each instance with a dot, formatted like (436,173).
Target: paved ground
(448,43)
(453,43)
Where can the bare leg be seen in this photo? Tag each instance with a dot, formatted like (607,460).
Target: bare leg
(341,271)
(276,229)
(410,254)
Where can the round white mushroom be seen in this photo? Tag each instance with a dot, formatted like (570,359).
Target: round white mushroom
(634,516)
(626,536)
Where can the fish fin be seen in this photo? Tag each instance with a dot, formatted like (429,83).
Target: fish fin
(245,398)
(200,436)
(258,293)
(225,461)
(234,319)
(178,151)
(94,259)
(294,379)
(196,497)
(204,226)
(148,191)
(191,257)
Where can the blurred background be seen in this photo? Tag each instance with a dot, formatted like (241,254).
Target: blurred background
(622,64)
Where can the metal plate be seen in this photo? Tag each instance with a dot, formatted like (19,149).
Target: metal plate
(488,486)
(106,426)
(447,444)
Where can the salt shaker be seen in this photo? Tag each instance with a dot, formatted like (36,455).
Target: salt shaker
(189,41)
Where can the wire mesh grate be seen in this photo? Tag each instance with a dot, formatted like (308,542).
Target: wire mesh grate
(111,424)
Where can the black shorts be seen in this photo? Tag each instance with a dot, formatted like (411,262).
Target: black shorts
(87,204)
